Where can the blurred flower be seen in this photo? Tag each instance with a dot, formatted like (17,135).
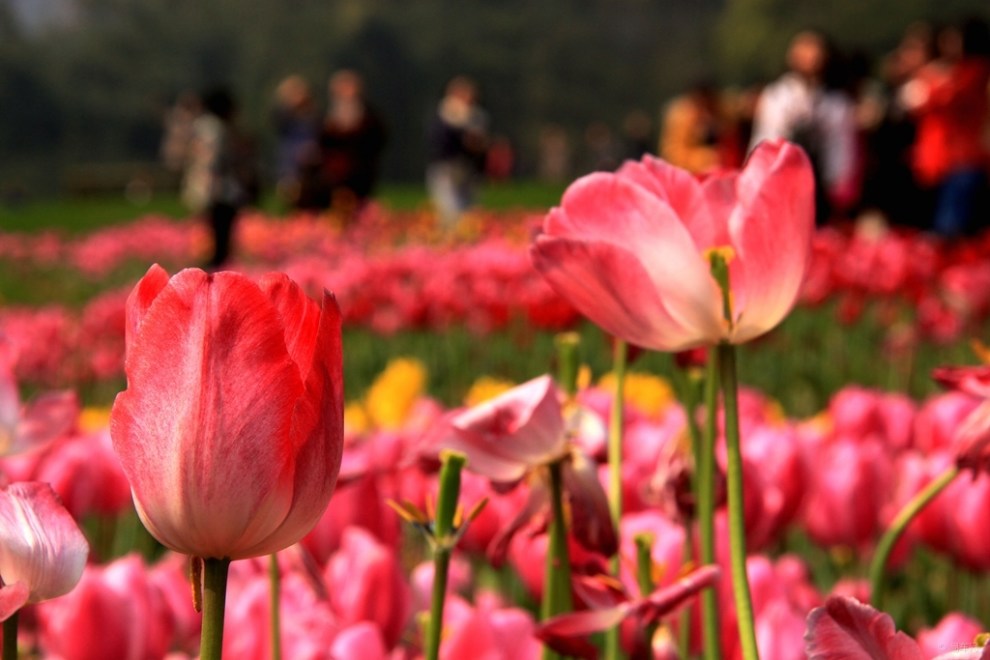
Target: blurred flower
(391,397)
(846,628)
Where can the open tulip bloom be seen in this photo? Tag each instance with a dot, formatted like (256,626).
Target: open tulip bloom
(631,249)
(231,428)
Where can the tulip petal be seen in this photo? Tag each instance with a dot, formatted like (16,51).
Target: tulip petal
(141,299)
(845,629)
(771,232)
(41,546)
(683,192)
(201,430)
(566,633)
(666,600)
(318,426)
(612,288)
(613,210)
(12,598)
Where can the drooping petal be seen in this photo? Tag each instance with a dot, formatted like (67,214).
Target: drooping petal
(972,438)
(973,380)
(203,430)
(567,633)
(591,521)
(609,286)
(771,230)
(41,546)
(666,600)
(523,425)
(845,629)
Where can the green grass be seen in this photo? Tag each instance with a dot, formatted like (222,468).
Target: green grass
(86,214)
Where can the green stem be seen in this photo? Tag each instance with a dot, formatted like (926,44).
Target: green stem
(644,575)
(214,599)
(616,423)
(444,531)
(897,527)
(274,579)
(441,567)
(734,488)
(568,361)
(557,583)
(706,509)
(10,636)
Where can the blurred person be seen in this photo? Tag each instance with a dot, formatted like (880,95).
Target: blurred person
(458,143)
(637,130)
(296,121)
(351,143)
(889,184)
(602,150)
(807,106)
(948,97)
(555,154)
(693,128)
(178,130)
(221,176)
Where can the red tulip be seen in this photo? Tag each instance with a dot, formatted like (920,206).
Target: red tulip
(631,249)
(42,551)
(231,428)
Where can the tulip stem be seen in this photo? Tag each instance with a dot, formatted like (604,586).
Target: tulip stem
(214,599)
(445,537)
(897,527)
(616,423)
(10,636)
(557,584)
(734,491)
(274,588)
(705,484)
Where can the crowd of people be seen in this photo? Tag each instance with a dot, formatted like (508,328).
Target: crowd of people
(910,143)
(906,139)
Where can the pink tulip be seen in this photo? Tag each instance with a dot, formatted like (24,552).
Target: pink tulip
(115,612)
(954,632)
(846,628)
(42,551)
(230,430)
(973,434)
(631,249)
(365,583)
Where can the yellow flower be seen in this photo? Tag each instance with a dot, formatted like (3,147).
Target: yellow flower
(486,388)
(356,419)
(94,418)
(649,394)
(392,395)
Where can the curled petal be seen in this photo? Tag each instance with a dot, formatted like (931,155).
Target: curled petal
(845,629)
(567,633)
(974,380)
(668,599)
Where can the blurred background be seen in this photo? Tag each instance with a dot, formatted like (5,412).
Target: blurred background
(85,84)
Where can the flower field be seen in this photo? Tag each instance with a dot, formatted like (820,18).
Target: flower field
(444,339)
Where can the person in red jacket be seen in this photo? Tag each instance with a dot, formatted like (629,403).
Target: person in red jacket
(949,99)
